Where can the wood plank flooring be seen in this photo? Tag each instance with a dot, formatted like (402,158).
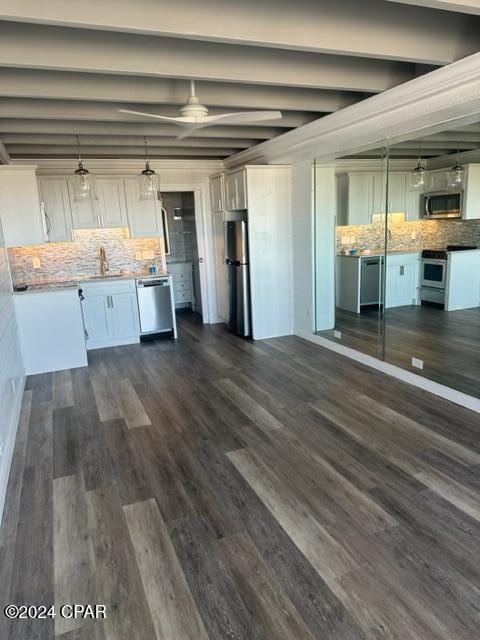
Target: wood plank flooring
(215,488)
(447,341)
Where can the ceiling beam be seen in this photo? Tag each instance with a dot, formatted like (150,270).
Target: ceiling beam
(44,47)
(370,28)
(36,83)
(86,110)
(419,146)
(461,6)
(42,151)
(72,127)
(124,141)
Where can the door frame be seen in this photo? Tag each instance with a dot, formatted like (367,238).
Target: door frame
(204,242)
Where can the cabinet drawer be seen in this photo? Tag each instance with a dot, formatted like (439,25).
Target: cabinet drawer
(183,296)
(181,286)
(108,287)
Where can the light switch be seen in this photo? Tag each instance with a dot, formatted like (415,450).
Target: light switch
(36,262)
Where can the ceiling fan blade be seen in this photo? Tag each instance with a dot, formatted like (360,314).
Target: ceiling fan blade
(189,130)
(153,115)
(243,117)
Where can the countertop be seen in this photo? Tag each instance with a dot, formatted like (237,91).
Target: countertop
(75,284)
(377,254)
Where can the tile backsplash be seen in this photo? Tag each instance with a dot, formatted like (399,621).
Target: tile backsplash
(60,261)
(409,236)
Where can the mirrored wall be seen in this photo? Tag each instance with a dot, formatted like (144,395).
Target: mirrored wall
(397,247)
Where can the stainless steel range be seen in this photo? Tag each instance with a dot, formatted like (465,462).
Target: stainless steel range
(434,273)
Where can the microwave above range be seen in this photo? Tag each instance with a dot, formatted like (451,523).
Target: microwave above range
(443,204)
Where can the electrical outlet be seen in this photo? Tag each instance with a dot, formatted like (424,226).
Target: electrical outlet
(414,235)
(344,239)
(337,334)
(36,264)
(416,362)
(148,255)
(352,239)
(138,255)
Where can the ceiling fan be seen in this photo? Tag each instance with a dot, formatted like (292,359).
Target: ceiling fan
(194,115)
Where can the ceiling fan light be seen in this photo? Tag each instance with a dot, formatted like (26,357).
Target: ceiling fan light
(417,176)
(83,184)
(456,175)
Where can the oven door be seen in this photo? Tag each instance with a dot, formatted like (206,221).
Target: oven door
(434,273)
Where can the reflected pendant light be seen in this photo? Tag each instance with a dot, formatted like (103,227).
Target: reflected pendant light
(82,180)
(148,180)
(456,174)
(417,176)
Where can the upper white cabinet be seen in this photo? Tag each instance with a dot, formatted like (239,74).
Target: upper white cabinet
(360,196)
(397,192)
(471,193)
(217,194)
(144,216)
(20,211)
(84,212)
(220,266)
(112,209)
(236,191)
(56,209)
(436,180)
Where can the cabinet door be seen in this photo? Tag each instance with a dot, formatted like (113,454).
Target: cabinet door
(241,190)
(230,192)
(216,194)
(20,206)
(57,211)
(414,204)
(124,308)
(437,180)
(360,198)
(401,284)
(220,267)
(98,319)
(397,193)
(111,202)
(144,216)
(84,212)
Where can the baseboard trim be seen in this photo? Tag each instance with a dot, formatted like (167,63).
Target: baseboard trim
(10,446)
(462,399)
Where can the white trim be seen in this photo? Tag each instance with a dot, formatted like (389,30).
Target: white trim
(443,95)
(436,388)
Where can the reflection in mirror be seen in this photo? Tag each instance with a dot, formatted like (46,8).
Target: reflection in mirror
(350,248)
(432,303)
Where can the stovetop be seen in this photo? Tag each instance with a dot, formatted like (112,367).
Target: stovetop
(441,254)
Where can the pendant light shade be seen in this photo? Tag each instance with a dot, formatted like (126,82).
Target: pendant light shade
(456,175)
(83,184)
(148,180)
(417,176)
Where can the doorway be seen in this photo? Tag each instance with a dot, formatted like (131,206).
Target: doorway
(182,258)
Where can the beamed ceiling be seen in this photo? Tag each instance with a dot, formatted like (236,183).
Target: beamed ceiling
(66,68)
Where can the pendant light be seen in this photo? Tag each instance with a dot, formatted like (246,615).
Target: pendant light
(456,174)
(148,180)
(82,180)
(417,176)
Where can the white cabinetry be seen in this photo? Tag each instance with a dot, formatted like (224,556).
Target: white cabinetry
(181,273)
(397,192)
(57,210)
(402,279)
(471,194)
(217,194)
(144,216)
(111,204)
(84,212)
(359,197)
(111,313)
(20,211)
(437,180)
(236,191)
(51,330)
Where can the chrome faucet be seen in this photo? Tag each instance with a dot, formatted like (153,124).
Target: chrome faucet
(104,266)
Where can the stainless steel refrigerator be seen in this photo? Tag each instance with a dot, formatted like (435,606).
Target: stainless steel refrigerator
(238,277)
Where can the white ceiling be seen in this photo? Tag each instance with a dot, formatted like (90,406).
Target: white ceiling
(65,68)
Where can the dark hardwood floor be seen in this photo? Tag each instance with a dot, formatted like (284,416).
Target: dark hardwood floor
(215,488)
(447,342)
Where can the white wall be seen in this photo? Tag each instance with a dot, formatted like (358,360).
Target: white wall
(12,378)
(303,276)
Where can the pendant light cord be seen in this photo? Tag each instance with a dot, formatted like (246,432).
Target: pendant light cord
(78,150)
(147,163)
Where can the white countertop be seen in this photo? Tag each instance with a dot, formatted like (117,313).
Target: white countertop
(377,254)
(76,283)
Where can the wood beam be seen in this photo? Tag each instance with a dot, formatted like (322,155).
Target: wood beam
(41,151)
(370,28)
(106,111)
(37,83)
(72,127)
(4,155)
(462,6)
(45,47)
(124,141)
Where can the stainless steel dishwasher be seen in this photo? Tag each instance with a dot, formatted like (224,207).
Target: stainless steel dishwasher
(155,305)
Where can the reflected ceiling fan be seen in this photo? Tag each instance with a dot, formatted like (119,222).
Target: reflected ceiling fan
(194,115)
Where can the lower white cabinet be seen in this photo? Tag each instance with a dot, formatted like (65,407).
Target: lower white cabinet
(181,273)
(50,330)
(110,311)
(402,280)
